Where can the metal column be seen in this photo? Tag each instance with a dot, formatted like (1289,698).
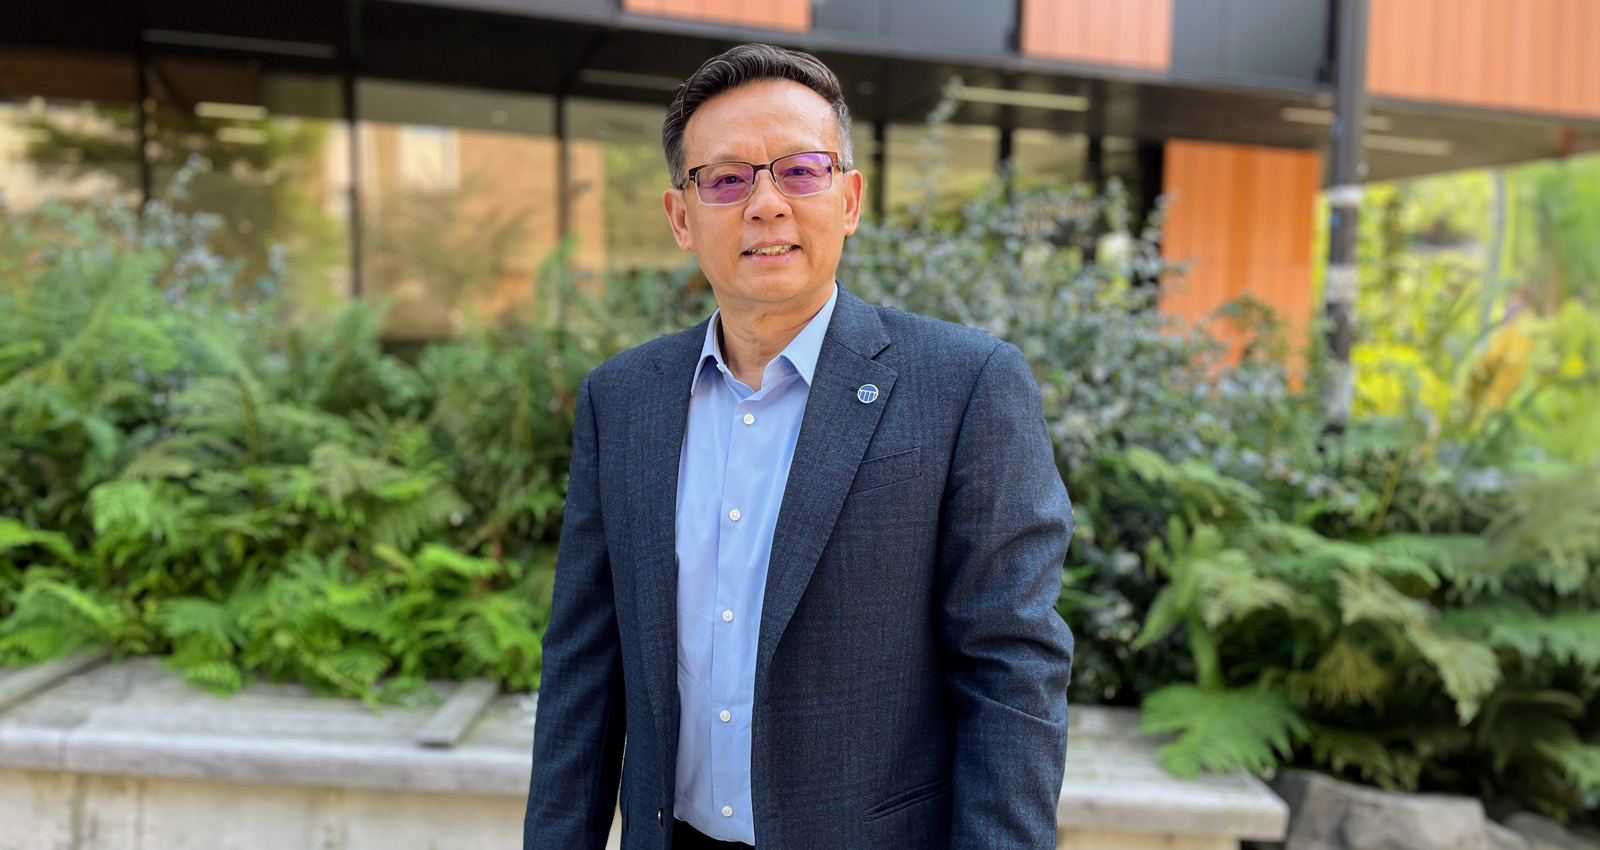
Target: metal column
(1344,207)
(352,67)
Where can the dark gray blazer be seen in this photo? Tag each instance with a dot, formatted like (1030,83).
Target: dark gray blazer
(911,669)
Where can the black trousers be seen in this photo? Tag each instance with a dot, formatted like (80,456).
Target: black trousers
(686,837)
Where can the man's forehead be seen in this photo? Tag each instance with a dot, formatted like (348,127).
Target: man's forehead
(785,116)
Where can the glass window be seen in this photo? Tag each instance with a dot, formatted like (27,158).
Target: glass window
(1042,156)
(864,150)
(617,175)
(459,203)
(266,152)
(970,156)
(68,128)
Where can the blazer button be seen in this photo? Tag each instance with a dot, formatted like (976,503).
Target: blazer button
(660,821)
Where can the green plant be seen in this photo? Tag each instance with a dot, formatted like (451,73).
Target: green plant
(186,473)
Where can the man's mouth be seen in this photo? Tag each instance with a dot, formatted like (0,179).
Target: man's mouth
(774,250)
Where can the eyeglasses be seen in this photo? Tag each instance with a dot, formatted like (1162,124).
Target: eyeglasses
(796,175)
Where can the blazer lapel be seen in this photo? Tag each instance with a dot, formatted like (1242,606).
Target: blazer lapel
(834,432)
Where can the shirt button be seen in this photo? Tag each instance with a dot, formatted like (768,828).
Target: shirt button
(734,514)
(721,368)
(727,811)
(749,419)
(726,715)
(727,616)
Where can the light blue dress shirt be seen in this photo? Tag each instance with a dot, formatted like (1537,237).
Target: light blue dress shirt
(731,475)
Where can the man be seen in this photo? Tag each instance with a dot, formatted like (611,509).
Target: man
(812,546)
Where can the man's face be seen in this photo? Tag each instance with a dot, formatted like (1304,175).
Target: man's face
(757,123)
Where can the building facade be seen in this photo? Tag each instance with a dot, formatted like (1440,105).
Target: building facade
(436,151)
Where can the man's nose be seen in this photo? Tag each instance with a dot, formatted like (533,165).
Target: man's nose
(765,199)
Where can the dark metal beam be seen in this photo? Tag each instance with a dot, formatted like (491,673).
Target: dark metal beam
(1344,207)
(351,68)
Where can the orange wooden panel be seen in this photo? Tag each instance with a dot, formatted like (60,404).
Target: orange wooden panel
(1529,55)
(1242,216)
(1099,33)
(1416,50)
(1497,54)
(768,14)
(1452,80)
(1471,61)
(1381,49)
(1547,28)
(1522,34)
(1570,55)
(1422,42)
(1033,17)
(1134,33)
(1589,70)
(1385,75)
(1155,51)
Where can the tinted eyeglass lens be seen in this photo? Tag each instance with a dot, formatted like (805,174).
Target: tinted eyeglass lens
(804,173)
(725,183)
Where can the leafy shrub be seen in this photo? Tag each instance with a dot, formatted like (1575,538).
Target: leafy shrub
(187,474)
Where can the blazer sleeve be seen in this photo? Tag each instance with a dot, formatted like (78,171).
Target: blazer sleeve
(1005,525)
(578,728)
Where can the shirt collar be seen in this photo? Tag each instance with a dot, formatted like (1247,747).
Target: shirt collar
(801,352)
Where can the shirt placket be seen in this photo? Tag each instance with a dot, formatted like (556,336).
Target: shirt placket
(731,633)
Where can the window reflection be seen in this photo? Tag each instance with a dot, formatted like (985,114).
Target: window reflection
(969,155)
(68,128)
(618,174)
(1043,157)
(276,168)
(459,203)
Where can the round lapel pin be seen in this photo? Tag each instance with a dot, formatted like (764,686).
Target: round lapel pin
(867,394)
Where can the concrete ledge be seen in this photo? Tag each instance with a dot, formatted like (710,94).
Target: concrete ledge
(1114,782)
(136,719)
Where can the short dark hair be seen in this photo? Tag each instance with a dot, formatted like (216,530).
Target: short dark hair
(743,64)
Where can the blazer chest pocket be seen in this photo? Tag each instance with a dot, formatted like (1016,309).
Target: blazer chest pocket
(881,471)
(907,798)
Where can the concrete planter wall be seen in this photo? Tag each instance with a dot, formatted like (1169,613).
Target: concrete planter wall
(126,757)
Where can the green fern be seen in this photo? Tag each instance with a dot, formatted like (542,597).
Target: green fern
(1346,675)
(1579,762)
(1468,669)
(1371,757)
(1221,730)
(434,559)
(14,536)
(1567,635)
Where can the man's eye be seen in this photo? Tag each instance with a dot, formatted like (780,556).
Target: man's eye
(729,180)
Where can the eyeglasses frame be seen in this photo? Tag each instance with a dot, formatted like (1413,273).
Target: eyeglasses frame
(688,176)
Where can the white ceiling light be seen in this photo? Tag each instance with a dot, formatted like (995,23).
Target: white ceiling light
(1324,117)
(230,111)
(1403,144)
(242,135)
(1034,99)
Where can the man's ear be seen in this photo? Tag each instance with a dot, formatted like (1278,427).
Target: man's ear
(855,187)
(677,207)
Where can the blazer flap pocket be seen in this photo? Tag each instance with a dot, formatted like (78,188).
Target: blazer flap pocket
(907,798)
(887,469)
